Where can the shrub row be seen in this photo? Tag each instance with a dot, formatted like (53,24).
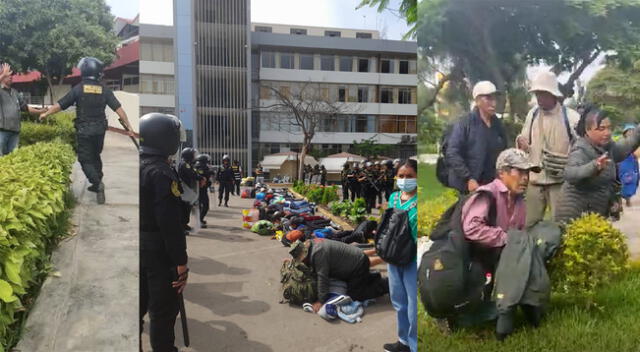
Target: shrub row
(317,194)
(34,202)
(59,125)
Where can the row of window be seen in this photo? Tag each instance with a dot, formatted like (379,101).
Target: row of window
(303,31)
(344,124)
(157,84)
(353,94)
(288,60)
(156,50)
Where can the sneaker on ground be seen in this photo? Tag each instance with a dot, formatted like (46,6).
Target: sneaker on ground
(396,347)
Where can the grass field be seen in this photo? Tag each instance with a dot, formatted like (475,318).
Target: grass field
(613,326)
(430,187)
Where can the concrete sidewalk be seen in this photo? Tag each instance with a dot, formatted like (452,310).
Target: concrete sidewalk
(232,299)
(628,224)
(93,305)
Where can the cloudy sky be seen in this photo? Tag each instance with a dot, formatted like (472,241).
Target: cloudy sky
(326,13)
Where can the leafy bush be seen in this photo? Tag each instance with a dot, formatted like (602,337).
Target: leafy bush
(592,254)
(33,204)
(355,212)
(59,125)
(430,211)
(316,194)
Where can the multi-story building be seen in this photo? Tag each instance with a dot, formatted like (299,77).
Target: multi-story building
(223,69)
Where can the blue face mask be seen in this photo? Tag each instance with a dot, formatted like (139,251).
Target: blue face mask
(407,184)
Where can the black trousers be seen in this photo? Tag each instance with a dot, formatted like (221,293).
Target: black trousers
(237,184)
(345,191)
(159,299)
(354,187)
(89,149)
(365,285)
(370,195)
(225,187)
(387,191)
(203,199)
(186,212)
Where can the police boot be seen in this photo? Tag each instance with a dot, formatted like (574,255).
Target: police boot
(504,326)
(533,314)
(100,194)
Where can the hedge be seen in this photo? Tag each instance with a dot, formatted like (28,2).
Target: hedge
(430,211)
(317,194)
(59,125)
(34,210)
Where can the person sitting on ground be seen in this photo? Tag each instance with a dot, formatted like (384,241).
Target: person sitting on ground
(486,236)
(590,177)
(340,261)
(475,142)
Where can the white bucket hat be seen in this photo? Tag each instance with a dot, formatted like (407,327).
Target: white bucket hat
(546,82)
(484,88)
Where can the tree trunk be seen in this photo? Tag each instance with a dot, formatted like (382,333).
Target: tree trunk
(303,155)
(50,86)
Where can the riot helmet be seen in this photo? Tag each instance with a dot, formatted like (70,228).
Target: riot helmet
(188,154)
(159,134)
(91,68)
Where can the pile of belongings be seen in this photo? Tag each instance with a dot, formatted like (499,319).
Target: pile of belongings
(341,306)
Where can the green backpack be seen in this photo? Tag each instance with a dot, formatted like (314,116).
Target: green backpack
(298,283)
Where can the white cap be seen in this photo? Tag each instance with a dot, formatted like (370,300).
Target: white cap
(484,88)
(546,81)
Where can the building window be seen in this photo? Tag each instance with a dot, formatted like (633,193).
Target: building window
(332,34)
(131,81)
(157,84)
(396,124)
(285,92)
(156,50)
(298,31)
(386,95)
(263,29)
(386,66)
(365,123)
(265,93)
(346,63)
(342,94)
(363,65)
(404,67)
(286,60)
(268,59)
(363,35)
(324,94)
(327,63)
(306,62)
(404,96)
(413,69)
(363,94)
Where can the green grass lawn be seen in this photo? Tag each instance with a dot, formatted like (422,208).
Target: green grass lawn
(430,186)
(613,326)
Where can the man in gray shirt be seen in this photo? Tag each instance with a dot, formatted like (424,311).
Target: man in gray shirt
(11,104)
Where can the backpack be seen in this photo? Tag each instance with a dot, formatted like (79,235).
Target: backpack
(448,281)
(364,230)
(298,283)
(263,228)
(394,242)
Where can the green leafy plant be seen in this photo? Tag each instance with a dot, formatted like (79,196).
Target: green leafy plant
(592,254)
(34,199)
(430,211)
(57,126)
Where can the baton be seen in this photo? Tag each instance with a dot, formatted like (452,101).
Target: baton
(127,129)
(183,319)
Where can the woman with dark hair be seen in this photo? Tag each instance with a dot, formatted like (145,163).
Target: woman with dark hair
(403,283)
(590,184)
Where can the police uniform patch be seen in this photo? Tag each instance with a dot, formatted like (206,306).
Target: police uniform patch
(92,89)
(174,189)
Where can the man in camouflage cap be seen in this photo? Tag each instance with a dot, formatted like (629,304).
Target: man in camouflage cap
(299,250)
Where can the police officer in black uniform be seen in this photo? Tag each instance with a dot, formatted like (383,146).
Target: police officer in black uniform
(354,182)
(91,97)
(189,178)
(204,171)
(237,176)
(368,186)
(163,250)
(225,179)
(389,179)
(344,181)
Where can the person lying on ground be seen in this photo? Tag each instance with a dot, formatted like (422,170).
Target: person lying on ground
(340,261)
(590,176)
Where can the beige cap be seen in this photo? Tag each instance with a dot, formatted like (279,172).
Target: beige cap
(484,88)
(515,158)
(546,82)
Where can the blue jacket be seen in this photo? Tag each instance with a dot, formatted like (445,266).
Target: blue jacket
(468,153)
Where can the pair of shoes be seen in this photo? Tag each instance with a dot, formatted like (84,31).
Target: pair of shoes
(226,204)
(93,187)
(203,222)
(100,194)
(187,227)
(204,226)
(396,347)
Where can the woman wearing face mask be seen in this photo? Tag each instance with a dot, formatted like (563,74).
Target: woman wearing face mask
(590,175)
(403,279)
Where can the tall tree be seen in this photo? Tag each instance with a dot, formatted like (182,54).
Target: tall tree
(408,10)
(51,36)
(617,90)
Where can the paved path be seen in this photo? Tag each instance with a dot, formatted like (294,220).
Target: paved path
(93,305)
(233,294)
(630,226)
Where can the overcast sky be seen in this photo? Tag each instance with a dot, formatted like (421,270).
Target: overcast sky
(325,13)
